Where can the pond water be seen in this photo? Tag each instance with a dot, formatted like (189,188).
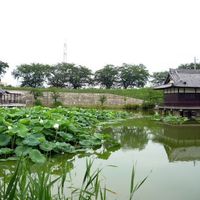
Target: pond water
(170,155)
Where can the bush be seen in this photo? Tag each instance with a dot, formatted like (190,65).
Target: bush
(102,99)
(131,106)
(57,103)
(38,102)
(148,106)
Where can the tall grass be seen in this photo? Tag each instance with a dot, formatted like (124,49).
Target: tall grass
(23,184)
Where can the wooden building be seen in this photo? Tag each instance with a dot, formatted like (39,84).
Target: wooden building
(11,99)
(181,92)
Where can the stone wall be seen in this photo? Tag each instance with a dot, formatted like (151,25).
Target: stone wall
(81,99)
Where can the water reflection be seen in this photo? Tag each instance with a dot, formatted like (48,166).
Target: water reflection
(130,137)
(181,143)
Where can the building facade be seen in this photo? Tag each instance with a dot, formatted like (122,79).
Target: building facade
(181,92)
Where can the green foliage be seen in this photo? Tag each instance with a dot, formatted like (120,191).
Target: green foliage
(189,66)
(170,119)
(159,77)
(69,75)
(34,131)
(36,93)
(131,107)
(36,156)
(38,102)
(148,105)
(3,67)
(26,184)
(135,186)
(57,104)
(102,99)
(55,94)
(133,75)
(32,75)
(4,139)
(107,76)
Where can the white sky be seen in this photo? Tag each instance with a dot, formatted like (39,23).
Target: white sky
(158,33)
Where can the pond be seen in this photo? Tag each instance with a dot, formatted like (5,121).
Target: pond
(169,155)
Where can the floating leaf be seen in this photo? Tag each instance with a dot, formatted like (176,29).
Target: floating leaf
(33,140)
(47,146)
(6,151)
(90,143)
(66,136)
(4,139)
(22,150)
(36,156)
(64,147)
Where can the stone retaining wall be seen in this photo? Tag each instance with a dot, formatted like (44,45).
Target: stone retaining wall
(81,99)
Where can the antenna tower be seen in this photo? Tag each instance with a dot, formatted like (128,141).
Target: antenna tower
(65,53)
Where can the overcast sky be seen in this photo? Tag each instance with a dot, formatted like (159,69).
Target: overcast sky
(161,34)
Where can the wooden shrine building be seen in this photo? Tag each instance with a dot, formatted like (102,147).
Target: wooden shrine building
(11,99)
(181,92)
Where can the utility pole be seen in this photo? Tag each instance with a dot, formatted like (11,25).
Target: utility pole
(195,63)
(65,53)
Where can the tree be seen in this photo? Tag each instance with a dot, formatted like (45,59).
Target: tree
(69,75)
(79,76)
(32,75)
(133,75)
(189,66)
(107,76)
(3,67)
(58,75)
(159,77)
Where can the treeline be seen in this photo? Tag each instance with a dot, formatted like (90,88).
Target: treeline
(69,75)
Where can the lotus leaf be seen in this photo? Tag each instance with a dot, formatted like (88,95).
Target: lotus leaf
(22,150)
(4,139)
(90,143)
(64,147)
(47,146)
(33,140)
(66,136)
(36,156)
(24,121)
(20,130)
(6,151)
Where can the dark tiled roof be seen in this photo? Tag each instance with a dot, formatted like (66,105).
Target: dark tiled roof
(181,78)
(185,77)
(3,91)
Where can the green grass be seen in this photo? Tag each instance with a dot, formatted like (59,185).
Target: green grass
(147,94)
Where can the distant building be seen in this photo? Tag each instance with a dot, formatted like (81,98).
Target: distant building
(181,92)
(11,99)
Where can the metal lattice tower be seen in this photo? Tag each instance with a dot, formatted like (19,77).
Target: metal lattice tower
(65,53)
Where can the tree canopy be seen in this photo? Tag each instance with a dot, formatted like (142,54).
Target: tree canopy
(32,75)
(159,77)
(3,67)
(189,66)
(107,76)
(133,75)
(76,76)
(68,75)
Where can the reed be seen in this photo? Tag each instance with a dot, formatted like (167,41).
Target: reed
(27,185)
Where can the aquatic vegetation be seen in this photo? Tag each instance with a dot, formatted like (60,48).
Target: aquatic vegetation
(169,119)
(23,183)
(38,131)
